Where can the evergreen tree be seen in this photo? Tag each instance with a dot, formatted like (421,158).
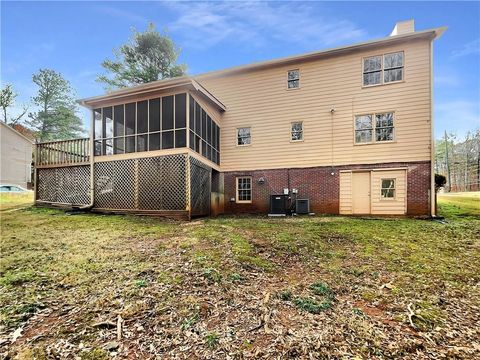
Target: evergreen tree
(148,56)
(56,118)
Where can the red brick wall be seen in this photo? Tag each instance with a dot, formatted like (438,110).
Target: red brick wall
(321,187)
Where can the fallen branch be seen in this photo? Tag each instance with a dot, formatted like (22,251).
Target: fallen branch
(119,327)
(411,314)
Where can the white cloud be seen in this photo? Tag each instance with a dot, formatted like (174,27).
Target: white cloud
(472,47)
(458,116)
(206,24)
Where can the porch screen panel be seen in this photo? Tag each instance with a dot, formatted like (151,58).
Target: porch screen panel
(154,115)
(142,117)
(167,113)
(119,121)
(204,132)
(130,111)
(147,125)
(180,111)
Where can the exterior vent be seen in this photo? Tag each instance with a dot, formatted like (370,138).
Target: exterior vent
(403,27)
(303,206)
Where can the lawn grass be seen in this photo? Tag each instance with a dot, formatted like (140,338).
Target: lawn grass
(245,286)
(12,200)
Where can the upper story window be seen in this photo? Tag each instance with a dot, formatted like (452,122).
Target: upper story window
(374,128)
(384,127)
(296,131)
(293,81)
(244,136)
(393,67)
(383,69)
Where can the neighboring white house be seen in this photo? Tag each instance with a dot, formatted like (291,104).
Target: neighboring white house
(16,157)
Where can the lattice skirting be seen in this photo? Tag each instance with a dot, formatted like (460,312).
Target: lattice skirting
(145,185)
(200,187)
(64,185)
(156,183)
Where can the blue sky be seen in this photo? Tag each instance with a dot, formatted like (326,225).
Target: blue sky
(74,37)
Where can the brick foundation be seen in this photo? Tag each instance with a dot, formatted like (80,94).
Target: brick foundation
(321,187)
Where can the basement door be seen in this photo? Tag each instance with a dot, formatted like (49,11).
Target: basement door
(361,192)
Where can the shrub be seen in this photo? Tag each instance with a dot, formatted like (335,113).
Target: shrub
(312,306)
(320,288)
(440,181)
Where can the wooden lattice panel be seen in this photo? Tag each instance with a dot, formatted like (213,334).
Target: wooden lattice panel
(156,183)
(64,185)
(114,184)
(200,187)
(162,183)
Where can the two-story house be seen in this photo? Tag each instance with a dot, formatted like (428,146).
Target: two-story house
(16,150)
(350,129)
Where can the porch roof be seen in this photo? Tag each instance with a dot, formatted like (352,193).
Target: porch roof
(186,82)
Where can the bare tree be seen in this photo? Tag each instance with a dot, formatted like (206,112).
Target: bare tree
(7,100)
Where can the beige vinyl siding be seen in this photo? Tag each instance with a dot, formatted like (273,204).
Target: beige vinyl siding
(259,99)
(346,193)
(378,205)
(15,157)
(396,205)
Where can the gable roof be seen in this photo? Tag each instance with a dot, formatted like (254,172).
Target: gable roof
(178,82)
(424,34)
(191,81)
(16,132)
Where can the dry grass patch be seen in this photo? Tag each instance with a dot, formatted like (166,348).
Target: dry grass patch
(253,287)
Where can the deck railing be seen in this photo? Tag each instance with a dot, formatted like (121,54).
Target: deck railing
(63,153)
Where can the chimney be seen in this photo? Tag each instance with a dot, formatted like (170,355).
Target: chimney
(403,27)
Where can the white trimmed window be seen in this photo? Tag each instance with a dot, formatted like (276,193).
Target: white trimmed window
(384,69)
(244,136)
(296,131)
(384,127)
(293,80)
(393,67)
(388,189)
(372,70)
(371,128)
(244,189)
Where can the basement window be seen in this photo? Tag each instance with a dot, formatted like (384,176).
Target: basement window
(293,81)
(244,189)
(388,189)
(297,131)
(244,136)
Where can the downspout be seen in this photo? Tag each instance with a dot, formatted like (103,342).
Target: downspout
(433,193)
(92,182)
